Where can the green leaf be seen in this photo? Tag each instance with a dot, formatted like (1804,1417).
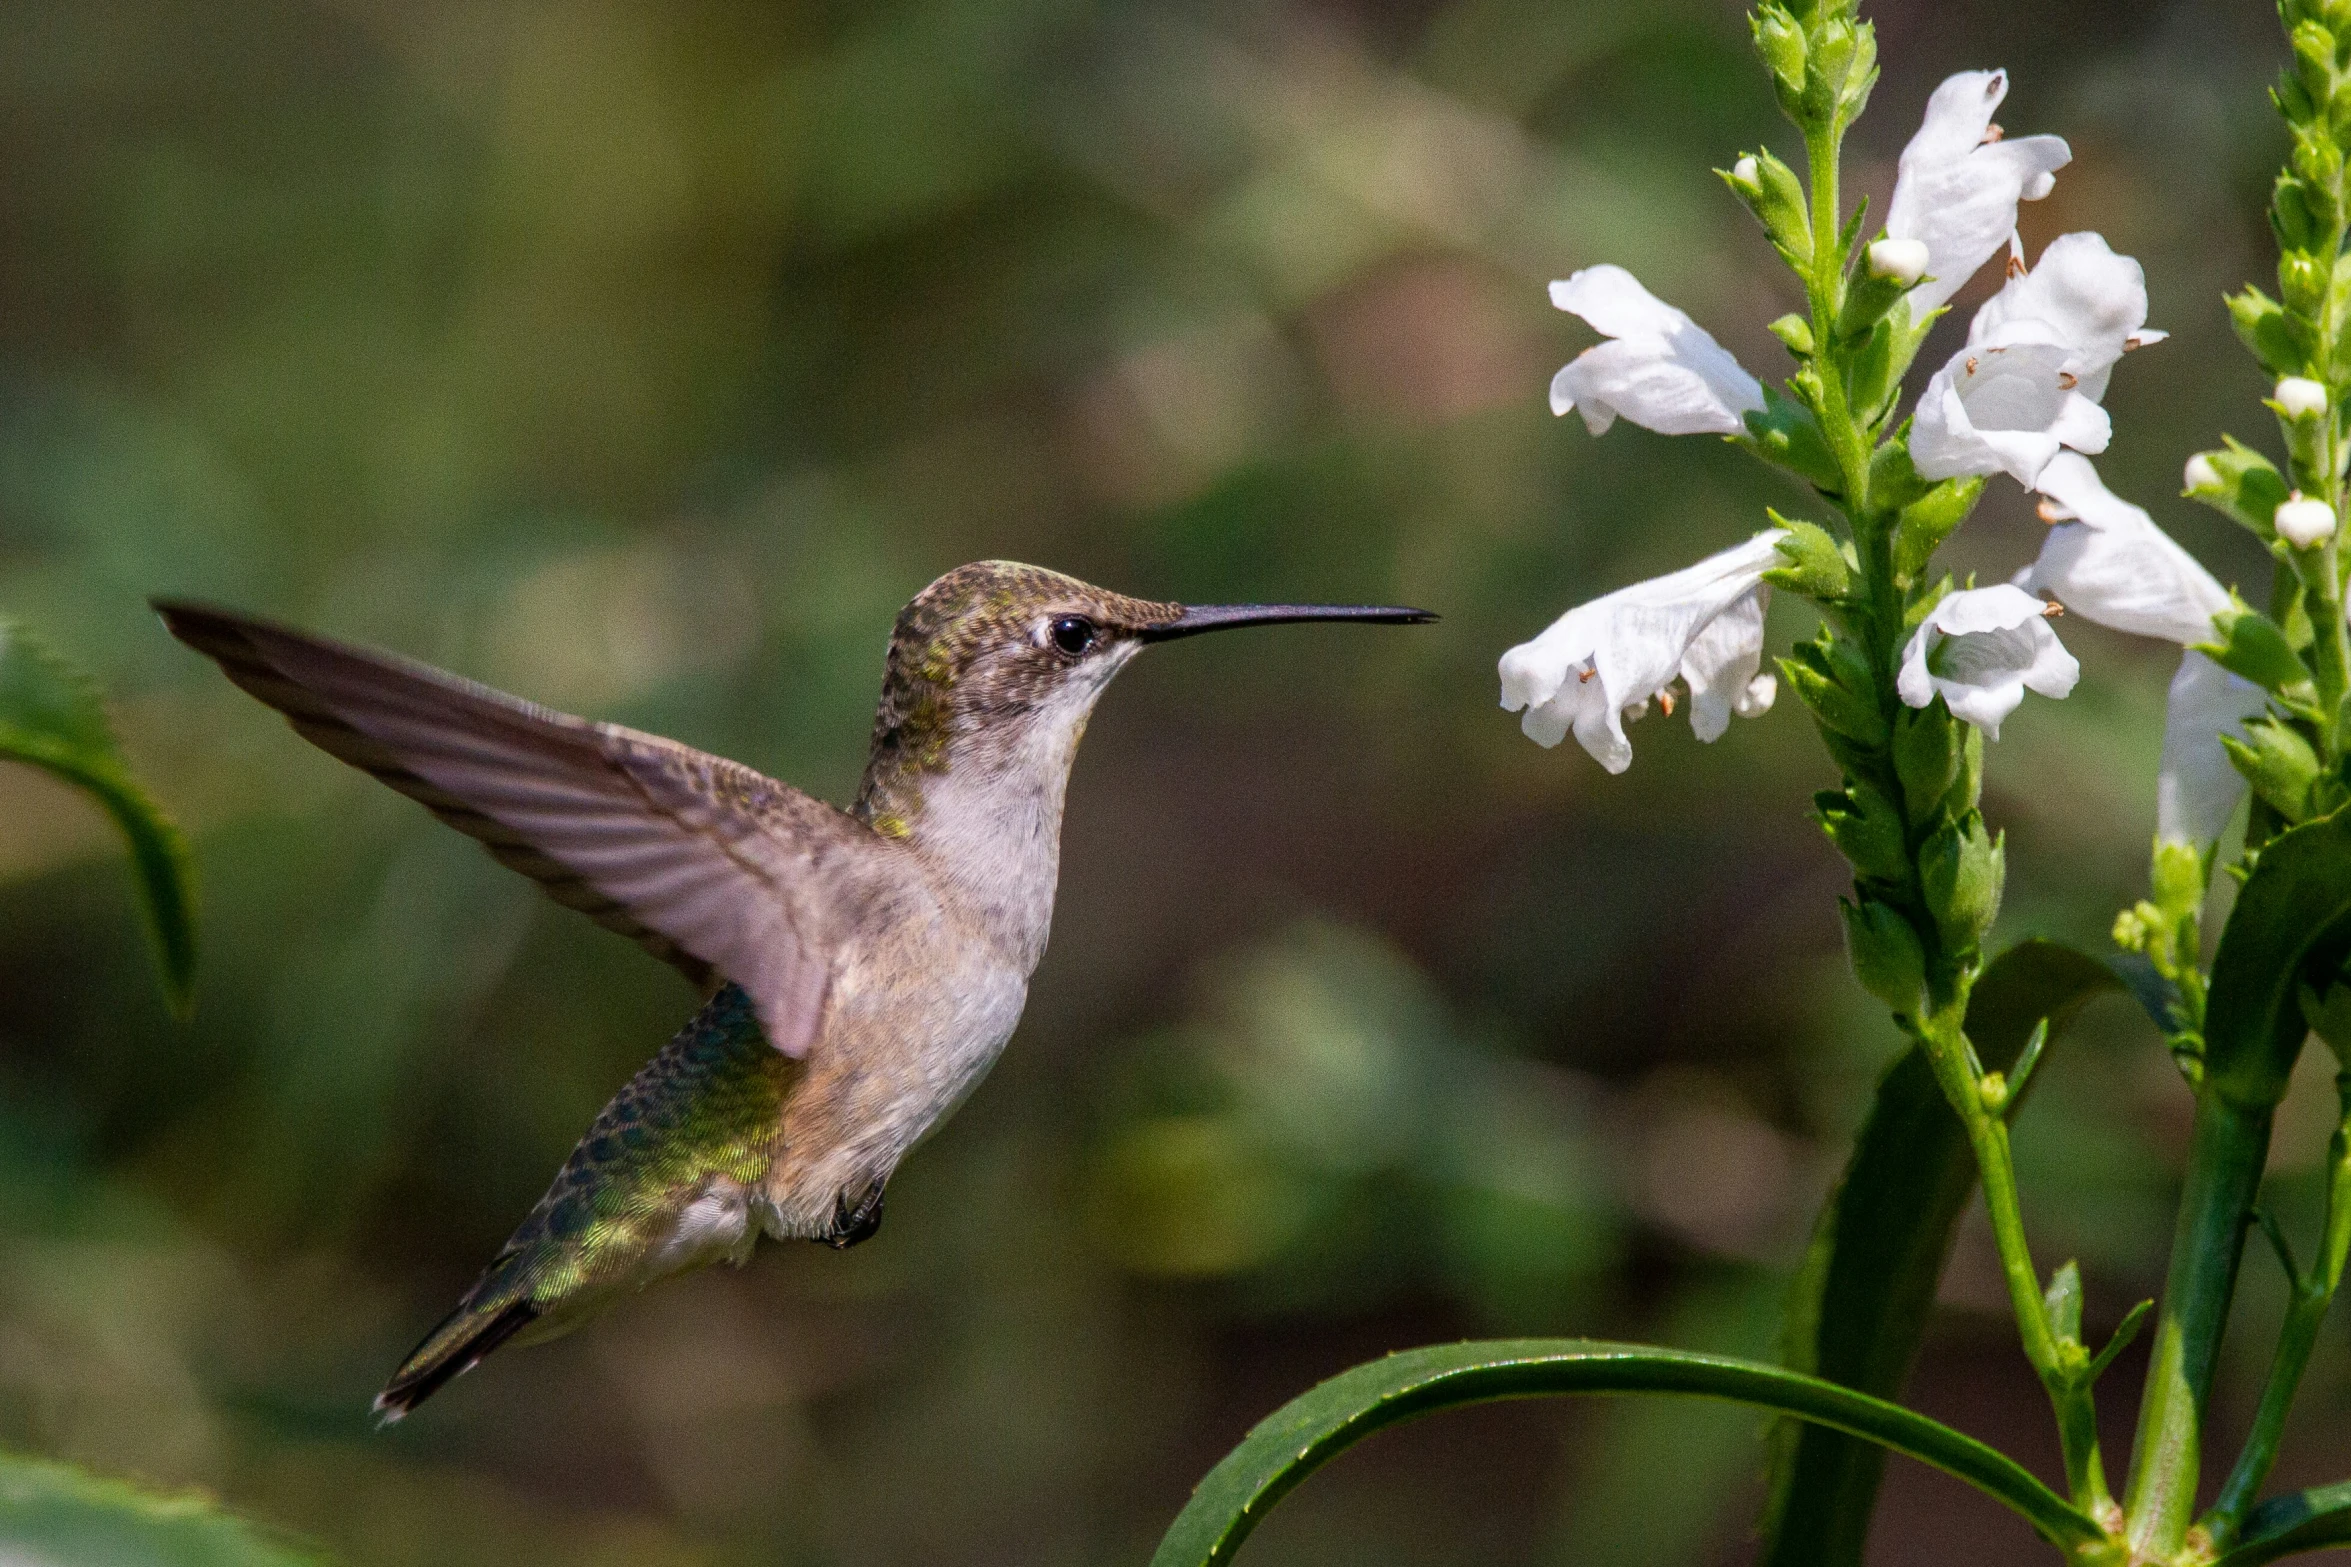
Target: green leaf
(2289,1525)
(52,1512)
(1860,1304)
(1318,1425)
(51,717)
(2255,646)
(2291,923)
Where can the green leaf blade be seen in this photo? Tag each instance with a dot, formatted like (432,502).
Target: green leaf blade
(1862,1299)
(51,717)
(2292,920)
(52,1512)
(1318,1425)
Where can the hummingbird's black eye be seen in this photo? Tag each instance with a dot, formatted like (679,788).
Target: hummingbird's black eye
(1072,634)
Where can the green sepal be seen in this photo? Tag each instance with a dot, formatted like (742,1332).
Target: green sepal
(1840,70)
(2279,762)
(1967,790)
(1832,677)
(1922,526)
(2250,489)
(1867,300)
(1795,333)
(2302,284)
(1776,197)
(1927,757)
(1817,565)
(1786,433)
(2255,646)
(1779,39)
(2264,326)
(2296,212)
(1886,954)
(1894,480)
(1867,829)
(1961,869)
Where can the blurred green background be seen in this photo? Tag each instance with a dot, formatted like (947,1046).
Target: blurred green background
(642,357)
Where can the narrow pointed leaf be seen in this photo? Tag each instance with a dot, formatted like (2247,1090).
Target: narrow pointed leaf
(2289,1525)
(1861,1301)
(51,1512)
(1315,1427)
(52,718)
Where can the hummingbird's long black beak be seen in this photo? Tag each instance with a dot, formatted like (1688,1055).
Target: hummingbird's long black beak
(1223,617)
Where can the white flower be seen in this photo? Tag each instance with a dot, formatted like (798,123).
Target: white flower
(2299,396)
(2107,561)
(1659,368)
(1959,183)
(2199,787)
(1981,649)
(2304,521)
(2038,356)
(1903,261)
(2200,477)
(1599,661)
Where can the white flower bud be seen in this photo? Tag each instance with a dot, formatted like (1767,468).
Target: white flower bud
(2300,397)
(2304,522)
(1755,700)
(2201,475)
(1904,261)
(1747,171)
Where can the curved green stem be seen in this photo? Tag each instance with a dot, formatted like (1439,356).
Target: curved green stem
(1310,1430)
(2289,1525)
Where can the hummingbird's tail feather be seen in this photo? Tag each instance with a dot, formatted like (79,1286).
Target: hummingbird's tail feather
(449,1351)
(668,1178)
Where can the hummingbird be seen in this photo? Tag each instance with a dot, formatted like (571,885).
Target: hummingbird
(862,968)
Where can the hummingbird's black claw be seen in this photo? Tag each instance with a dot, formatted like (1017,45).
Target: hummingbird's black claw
(855,1217)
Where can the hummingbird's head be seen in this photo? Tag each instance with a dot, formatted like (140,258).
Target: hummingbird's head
(996,666)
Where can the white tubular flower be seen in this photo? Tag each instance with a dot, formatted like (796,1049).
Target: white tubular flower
(2299,397)
(1603,660)
(2039,352)
(1959,182)
(2107,561)
(2199,787)
(1659,368)
(1981,649)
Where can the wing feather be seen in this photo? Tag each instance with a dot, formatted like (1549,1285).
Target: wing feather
(708,864)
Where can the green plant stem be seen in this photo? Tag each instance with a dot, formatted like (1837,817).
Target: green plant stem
(2225,1157)
(2070,1393)
(2313,1293)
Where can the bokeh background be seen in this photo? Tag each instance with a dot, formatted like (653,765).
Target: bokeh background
(642,356)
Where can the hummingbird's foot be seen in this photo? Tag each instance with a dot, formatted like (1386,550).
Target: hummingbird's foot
(856,1215)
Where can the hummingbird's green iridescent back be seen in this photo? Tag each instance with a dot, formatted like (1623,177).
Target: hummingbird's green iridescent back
(696,1126)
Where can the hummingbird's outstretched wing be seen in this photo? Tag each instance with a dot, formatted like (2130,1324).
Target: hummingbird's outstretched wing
(710,865)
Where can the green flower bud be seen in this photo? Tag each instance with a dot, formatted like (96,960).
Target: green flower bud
(2302,281)
(1776,197)
(1795,332)
(1779,39)
(2279,762)
(1866,827)
(1886,954)
(2239,483)
(1927,758)
(1817,566)
(2264,327)
(2255,646)
(1922,526)
(1962,868)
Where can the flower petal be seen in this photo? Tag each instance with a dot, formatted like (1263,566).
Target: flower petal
(1957,192)
(1660,369)
(1587,668)
(2003,408)
(2198,789)
(2113,565)
(1981,649)
(2079,293)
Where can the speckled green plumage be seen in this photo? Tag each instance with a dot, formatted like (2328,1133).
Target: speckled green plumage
(705,1109)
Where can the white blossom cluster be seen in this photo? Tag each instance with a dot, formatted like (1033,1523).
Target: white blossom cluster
(2021,398)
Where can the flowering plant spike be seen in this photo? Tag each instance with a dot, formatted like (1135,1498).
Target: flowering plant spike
(1908,679)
